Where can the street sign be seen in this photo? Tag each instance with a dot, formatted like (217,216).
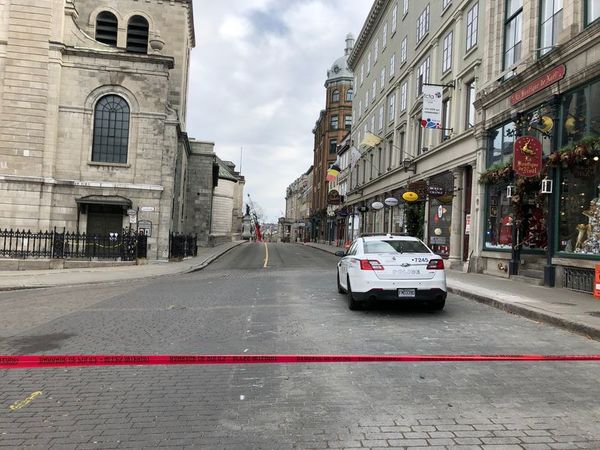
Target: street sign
(132,212)
(132,219)
(147,208)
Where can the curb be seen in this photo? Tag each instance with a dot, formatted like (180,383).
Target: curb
(212,259)
(544,317)
(320,248)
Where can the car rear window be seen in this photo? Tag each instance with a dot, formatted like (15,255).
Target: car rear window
(395,247)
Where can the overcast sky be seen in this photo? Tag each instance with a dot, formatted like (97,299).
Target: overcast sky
(257,82)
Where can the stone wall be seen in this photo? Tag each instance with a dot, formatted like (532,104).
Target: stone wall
(199,196)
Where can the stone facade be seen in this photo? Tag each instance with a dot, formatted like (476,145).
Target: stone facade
(54,74)
(398,49)
(549,255)
(297,208)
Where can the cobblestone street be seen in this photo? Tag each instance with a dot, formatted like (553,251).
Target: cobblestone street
(236,306)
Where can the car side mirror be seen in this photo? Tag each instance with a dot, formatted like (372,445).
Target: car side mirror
(340,253)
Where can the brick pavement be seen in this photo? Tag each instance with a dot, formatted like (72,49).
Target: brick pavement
(290,309)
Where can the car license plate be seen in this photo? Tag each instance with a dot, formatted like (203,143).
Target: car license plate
(407,293)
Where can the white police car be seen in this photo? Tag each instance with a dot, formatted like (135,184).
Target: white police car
(386,267)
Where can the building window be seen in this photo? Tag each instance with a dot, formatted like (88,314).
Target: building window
(422,75)
(446,119)
(137,35)
(360,108)
(366,100)
(550,24)
(513,30)
(470,122)
(111,130)
(403,96)
(472,25)
(374,92)
(499,214)
(446,3)
(333,146)
(335,96)
(592,11)
(373,124)
(381,114)
(393,65)
(376,49)
(384,36)
(382,78)
(391,107)
(334,122)
(403,50)
(379,161)
(349,95)
(404,7)
(107,28)
(369,63)
(447,52)
(394,18)
(362,73)
(423,24)
(347,122)
(371,164)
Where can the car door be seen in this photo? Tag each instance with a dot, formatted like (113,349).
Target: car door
(343,264)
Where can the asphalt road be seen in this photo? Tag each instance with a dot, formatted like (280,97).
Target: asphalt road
(291,306)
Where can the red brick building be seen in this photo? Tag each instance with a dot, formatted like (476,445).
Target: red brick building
(333,124)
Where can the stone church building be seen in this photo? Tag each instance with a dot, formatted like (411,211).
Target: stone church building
(93,100)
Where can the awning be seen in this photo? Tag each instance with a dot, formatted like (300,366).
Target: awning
(113,200)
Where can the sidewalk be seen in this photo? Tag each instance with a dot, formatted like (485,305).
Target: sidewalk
(576,312)
(30,279)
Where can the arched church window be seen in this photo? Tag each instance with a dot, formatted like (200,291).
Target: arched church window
(106,28)
(111,130)
(137,35)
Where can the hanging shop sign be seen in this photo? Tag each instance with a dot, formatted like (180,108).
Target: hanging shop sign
(435,190)
(432,107)
(391,201)
(145,227)
(410,196)
(363,209)
(527,161)
(377,206)
(333,197)
(548,79)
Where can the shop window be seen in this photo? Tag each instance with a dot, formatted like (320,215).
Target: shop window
(579,217)
(581,114)
(501,144)
(500,219)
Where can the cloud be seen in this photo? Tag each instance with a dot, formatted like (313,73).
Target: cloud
(256,82)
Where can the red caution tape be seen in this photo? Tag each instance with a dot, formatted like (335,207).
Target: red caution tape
(40,361)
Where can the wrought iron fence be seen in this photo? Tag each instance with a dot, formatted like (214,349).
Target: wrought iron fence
(22,244)
(182,245)
(581,280)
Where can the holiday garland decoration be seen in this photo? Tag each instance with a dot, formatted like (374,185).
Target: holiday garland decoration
(570,156)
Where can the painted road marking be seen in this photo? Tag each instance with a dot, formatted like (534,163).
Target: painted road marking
(266,256)
(23,403)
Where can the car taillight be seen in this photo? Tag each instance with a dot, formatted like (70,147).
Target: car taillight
(370,264)
(435,264)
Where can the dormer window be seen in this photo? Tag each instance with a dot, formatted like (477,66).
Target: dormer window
(106,28)
(137,35)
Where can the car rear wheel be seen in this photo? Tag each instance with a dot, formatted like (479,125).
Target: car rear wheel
(339,286)
(353,304)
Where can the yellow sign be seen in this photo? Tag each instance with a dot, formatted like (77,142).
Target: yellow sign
(410,196)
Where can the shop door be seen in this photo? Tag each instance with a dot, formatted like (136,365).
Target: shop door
(467,219)
(104,219)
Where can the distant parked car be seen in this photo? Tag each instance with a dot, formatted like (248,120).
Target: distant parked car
(396,268)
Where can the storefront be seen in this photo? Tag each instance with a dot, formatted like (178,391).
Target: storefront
(553,215)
